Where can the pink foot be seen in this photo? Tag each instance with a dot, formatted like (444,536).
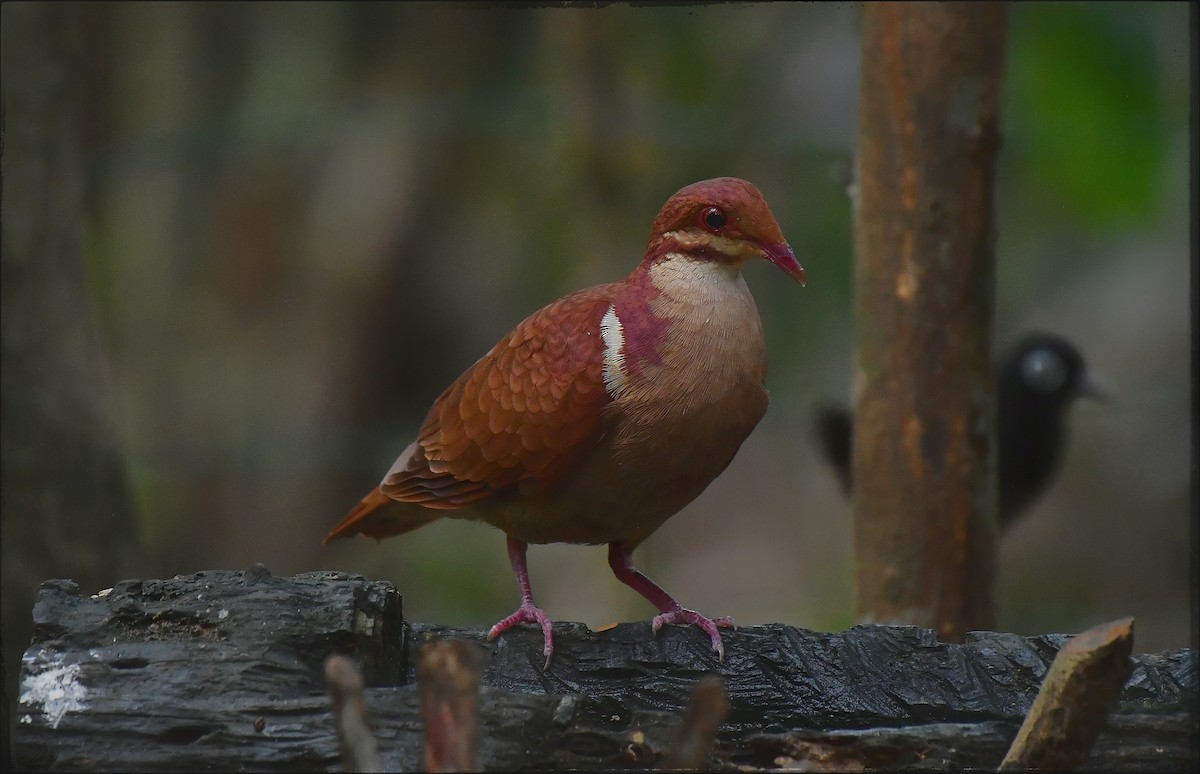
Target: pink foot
(672,611)
(682,615)
(528,613)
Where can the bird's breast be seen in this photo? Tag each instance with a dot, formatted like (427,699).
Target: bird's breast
(687,368)
(710,344)
(684,364)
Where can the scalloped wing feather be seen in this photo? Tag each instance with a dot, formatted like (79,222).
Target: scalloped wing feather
(524,414)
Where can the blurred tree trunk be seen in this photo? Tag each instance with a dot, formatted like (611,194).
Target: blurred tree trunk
(66,510)
(924,464)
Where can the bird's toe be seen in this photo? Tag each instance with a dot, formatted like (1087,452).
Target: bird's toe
(710,626)
(528,613)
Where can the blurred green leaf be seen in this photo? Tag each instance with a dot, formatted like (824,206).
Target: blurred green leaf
(1086,133)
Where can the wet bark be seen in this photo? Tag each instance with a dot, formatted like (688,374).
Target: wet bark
(225,671)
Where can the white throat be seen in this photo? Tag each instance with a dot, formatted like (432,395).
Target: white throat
(678,275)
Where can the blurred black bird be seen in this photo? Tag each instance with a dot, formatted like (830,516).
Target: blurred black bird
(1036,382)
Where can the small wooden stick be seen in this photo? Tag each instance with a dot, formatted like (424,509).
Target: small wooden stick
(359,750)
(694,740)
(1070,709)
(448,676)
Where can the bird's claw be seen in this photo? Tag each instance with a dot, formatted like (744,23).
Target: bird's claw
(528,613)
(709,625)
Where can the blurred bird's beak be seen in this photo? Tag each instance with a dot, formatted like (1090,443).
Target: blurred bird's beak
(1097,388)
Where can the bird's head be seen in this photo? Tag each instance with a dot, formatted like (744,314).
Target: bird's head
(1052,370)
(725,220)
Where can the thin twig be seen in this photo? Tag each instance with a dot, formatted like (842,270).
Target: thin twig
(1071,707)
(448,676)
(359,749)
(694,740)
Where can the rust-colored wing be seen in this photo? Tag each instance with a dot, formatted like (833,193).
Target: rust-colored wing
(523,415)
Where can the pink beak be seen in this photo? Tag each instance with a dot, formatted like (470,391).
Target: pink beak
(782,256)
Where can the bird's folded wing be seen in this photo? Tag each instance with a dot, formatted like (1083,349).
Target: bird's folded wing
(524,414)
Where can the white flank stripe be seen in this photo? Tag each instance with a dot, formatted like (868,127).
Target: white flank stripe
(614,353)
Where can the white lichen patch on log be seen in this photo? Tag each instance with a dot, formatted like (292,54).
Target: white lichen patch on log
(53,686)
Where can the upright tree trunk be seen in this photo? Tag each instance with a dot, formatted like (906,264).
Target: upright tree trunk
(924,478)
(66,509)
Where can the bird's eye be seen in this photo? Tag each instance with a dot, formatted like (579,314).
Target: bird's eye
(1044,371)
(713,219)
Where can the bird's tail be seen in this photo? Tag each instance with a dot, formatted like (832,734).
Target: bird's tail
(835,431)
(380,516)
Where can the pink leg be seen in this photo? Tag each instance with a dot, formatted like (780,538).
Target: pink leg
(670,611)
(527,612)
